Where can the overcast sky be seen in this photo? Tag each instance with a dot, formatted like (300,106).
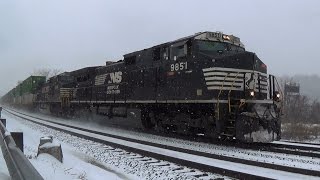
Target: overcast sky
(70,34)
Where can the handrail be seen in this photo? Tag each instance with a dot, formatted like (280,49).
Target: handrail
(281,94)
(230,91)
(279,87)
(18,165)
(218,110)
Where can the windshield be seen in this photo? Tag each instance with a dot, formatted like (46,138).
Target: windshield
(217,47)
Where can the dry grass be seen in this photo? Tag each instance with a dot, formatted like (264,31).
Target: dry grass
(300,131)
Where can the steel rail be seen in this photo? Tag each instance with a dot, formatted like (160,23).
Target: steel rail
(303,143)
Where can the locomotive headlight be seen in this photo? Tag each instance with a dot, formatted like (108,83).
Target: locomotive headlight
(252,93)
(277,96)
(226,37)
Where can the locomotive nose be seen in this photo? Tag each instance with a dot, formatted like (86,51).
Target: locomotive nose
(242,60)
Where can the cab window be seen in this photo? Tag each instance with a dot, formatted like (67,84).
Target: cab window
(165,53)
(177,52)
(181,49)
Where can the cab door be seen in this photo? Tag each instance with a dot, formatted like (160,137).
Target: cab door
(176,68)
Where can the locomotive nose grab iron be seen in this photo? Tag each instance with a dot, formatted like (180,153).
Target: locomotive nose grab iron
(205,83)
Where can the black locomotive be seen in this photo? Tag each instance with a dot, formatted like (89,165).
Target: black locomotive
(205,83)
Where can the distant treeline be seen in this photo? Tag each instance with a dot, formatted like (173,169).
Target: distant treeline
(301,119)
(301,109)
(309,84)
(304,108)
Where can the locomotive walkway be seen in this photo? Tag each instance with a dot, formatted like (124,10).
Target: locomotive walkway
(233,167)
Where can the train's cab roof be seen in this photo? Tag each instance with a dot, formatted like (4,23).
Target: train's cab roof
(138,56)
(211,36)
(219,36)
(84,70)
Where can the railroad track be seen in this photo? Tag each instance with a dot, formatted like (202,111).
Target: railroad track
(297,149)
(98,151)
(285,147)
(278,147)
(228,166)
(300,143)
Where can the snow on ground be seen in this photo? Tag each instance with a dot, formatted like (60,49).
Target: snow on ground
(4,174)
(75,165)
(83,157)
(261,156)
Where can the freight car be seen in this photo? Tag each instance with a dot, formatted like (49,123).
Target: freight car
(204,83)
(24,94)
(28,88)
(8,98)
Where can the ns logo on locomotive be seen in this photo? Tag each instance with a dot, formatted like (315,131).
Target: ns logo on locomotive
(205,83)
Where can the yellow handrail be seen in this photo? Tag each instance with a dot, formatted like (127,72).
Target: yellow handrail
(230,91)
(279,88)
(220,94)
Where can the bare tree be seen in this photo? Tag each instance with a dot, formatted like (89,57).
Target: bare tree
(314,116)
(19,82)
(55,72)
(46,72)
(299,109)
(41,72)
